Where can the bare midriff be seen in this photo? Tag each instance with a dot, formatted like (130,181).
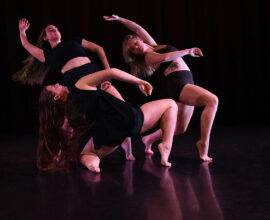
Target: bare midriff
(75,62)
(177,65)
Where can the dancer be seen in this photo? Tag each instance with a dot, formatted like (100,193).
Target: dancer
(67,57)
(164,66)
(111,120)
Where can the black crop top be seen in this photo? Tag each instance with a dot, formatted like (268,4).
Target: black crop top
(58,56)
(163,66)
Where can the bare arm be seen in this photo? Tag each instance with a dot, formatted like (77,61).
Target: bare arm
(136,28)
(153,58)
(98,50)
(90,81)
(33,50)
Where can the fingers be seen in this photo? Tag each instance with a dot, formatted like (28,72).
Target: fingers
(111,18)
(148,88)
(197,51)
(23,23)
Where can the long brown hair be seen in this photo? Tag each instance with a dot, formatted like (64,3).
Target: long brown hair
(56,147)
(137,62)
(33,72)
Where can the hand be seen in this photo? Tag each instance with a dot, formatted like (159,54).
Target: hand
(105,85)
(23,25)
(195,52)
(111,18)
(145,87)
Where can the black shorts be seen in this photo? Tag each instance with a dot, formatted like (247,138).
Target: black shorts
(171,86)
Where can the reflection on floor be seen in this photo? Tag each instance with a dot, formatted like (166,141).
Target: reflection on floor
(234,186)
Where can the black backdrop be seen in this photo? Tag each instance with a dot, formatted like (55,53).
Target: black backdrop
(233,35)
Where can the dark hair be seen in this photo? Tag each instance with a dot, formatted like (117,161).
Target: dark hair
(136,62)
(33,72)
(56,147)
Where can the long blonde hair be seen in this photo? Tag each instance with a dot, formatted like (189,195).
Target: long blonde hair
(137,63)
(33,72)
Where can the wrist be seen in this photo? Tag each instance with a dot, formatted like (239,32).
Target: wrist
(22,32)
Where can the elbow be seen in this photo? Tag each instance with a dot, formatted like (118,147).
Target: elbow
(113,73)
(99,49)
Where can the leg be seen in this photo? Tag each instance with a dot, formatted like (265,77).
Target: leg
(165,112)
(183,118)
(148,140)
(184,115)
(126,145)
(197,96)
(90,157)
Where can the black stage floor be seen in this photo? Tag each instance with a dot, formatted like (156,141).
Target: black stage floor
(234,186)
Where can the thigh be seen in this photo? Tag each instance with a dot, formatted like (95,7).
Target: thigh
(153,111)
(194,95)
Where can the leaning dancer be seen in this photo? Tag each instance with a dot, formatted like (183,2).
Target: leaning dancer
(111,120)
(164,67)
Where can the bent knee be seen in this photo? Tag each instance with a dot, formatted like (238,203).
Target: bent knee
(171,104)
(214,100)
(211,100)
(180,129)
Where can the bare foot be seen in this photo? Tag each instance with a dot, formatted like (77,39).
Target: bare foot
(165,153)
(130,157)
(126,145)
(203,151)
(91,162)
(148,146)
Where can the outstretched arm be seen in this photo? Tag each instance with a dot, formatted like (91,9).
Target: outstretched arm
(90,81)
(136,28)
(98,50)
(154,58)
(33,50)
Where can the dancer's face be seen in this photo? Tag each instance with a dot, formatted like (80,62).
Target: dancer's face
(136,46)
(52,33)
(57,90)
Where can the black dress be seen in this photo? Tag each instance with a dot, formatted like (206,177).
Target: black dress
(113,119)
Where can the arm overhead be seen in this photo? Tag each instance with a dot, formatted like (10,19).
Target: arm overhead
(33,50)
(134,27)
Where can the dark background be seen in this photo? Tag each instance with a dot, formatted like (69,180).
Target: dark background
(233,35)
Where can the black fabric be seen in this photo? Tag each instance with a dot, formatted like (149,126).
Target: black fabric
(163,66)
(73,75)
(58,56)
(113,119)
(169,86)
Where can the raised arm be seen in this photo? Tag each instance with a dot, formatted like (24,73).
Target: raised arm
(136,28)
(90,81)
(33,50)
(154,58)
(98,50)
